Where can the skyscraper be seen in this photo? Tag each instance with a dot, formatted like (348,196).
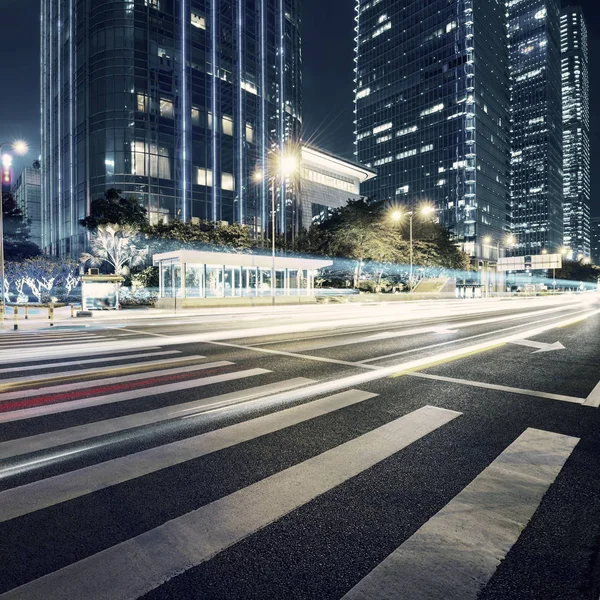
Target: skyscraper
(28,194)
(432,111)
(576,130)
(595,238)
(536,155)
(178,102)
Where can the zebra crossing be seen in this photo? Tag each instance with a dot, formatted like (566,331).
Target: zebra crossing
(453,555)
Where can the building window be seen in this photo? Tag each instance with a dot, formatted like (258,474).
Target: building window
(203,176)
(198,20)
(166,108)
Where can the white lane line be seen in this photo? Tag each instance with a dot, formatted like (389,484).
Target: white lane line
(44,441)
(364,377)
(93,383)
(295,355)
(450,342)
(30,413)
(81,352)
(137,566)
(457,551)
(25,499)
(501,388)
(100,370)
(87,361)
(594,398)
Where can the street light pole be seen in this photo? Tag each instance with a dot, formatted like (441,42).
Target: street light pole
(410,274)
(273,282)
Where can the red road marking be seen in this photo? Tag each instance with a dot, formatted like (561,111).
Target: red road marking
(115,387)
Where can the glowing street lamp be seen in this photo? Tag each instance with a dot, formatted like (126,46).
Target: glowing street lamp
(19,147)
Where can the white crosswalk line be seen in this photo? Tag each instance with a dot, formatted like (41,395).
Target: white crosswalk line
(35,357)
(87,361)
(134,567)
(454,554)
(594,398)
(44,441)
(99,370)
(30,413)
(80,385)
(44,343)
(22,500)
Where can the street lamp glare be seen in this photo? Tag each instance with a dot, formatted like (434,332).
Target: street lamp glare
(20,147)
(427,210)
(288,164)
(257,176)
(544,251)
(564,251)
(396,215)
(510,240)
(487,239)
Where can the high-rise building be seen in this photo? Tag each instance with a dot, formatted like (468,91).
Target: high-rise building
(27,191)
(536,154)
(178,102)
(576,130)
(595,240)
(432,111)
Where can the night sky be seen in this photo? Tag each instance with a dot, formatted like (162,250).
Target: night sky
(328,50)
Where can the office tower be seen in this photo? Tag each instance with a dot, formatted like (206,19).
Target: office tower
(536,154)
(432,111)
(27,192)
(595,240)
(178,102)
(576,130)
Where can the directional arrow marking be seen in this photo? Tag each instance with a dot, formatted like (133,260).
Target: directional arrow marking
(541,346)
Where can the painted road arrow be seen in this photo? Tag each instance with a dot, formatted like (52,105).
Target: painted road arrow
(541,346)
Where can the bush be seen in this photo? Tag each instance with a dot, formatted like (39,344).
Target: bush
(137,297)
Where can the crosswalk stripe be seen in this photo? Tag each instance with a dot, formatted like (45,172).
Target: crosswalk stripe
(87,361)
(594,398)
(38,411)
(454,554)
(134,567)
(44,441)
(25,499)
(146,365)
(58,342)
(35,357)
(80,385)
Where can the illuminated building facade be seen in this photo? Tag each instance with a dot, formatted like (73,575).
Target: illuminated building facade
(576,131)
(178,102)
(27,191)
(536,154)
(595,240)
(432,111)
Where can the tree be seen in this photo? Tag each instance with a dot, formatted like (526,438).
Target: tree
(115,209)
(202,235)
(17,245)
(578,270)
(117,246)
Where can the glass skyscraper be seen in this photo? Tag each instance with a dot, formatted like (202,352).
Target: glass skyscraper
(178,102)
(576,131)
(432,111)
(536,120)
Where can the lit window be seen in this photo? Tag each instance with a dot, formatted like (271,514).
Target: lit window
(227,124)
(203,176)
(227,182)
(406,131)
(249,133)
(198,20)
(363,93)
(195,116)
(166,108)
(432,109)
(402,190)
(381,128)
(381,29)
(249,87)
(142,103)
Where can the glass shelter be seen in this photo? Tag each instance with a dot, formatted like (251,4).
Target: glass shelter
(196,274)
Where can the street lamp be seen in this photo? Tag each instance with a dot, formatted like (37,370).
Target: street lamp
(396,216)
(286,165)
(19,147)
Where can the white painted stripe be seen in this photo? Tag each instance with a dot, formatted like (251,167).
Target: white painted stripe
(50,409)
(135,567)
(93,383)
(87,361)
(501,388)
(79,373)
(457,551)
(81,352)
(25,499)
(44,441)
(34,343)
(594,398)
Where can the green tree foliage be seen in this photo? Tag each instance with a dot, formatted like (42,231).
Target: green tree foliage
(364,232)
(17,245)
(577,270)
(204,235)
(115,209)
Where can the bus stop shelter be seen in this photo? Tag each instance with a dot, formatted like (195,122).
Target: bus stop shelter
(194,274)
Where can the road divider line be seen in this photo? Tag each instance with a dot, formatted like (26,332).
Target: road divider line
(501,388)
(61,437)
(31,497)
(81,385)
(133,568)
(149,365)
(60,407)
(594,398)
(87,361)
(456,552)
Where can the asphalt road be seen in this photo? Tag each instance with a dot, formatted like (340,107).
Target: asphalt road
(444,450)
